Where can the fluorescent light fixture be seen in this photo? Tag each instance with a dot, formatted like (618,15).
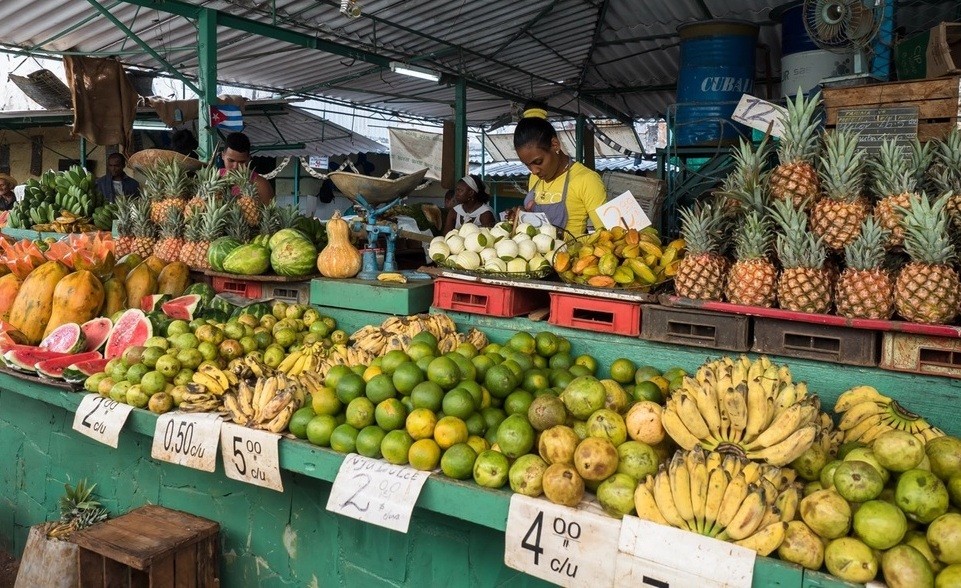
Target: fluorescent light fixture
(150,125)
(414,72)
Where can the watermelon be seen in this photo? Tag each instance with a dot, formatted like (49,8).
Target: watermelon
(159,322)
(205,291)
(293,255)
(96,332)
(215,314)
(257,309)
(248,260)
(262,240)
(53,368)
(132,328)
(218,251)
(67,338)
(26,360)
(222,304)
(182,308)
(76,373)
(152,302)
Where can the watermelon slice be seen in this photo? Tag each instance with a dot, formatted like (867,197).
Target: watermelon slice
(132,328)
(67,338)
(53,368)
(26,360)
(182,308)
(152,302)
(78,372)
(96,332)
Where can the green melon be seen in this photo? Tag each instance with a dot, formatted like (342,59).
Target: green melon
(219,249)
(293,255)
(248,260)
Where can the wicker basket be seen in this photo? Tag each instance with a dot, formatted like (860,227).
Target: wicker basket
(150,158)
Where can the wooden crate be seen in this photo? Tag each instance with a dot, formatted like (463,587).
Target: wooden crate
(938,101)
(150,546)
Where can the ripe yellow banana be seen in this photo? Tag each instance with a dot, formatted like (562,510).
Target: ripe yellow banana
(757,411)
(279,422)
(766,539)
(665,501)
(676,428)
(858,431)
(275,405)
(686,408)
(786,396)
(857,395)
(646,506)
(391,277)
(233,408)
(210,383)
(748,517)
(716,485)
(736,409)
(787,503)
(705,398)
(697,469)
(734,495)
(680,480)
(790,448)
(216,373)
(245,396)
(858,413)
(783,425)
(289,361)
(751,470)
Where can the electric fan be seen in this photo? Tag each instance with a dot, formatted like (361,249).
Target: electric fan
(844,26)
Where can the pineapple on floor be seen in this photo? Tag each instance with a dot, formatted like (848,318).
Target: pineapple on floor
(895,181)
(700,273)
(144,231)
(124,243)
(946,174)
(247,195)
(752,279)
(171,236)
(795,178)
(838,216)
(927,288)
(208,183)
(865,289)
(804,284)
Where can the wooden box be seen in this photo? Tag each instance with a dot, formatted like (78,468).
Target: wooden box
(938,101)
(150,546)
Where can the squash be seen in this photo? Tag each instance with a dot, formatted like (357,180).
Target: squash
(141,282)
(114,297)
(173,279)
(76,299)
(34,302)
(9,286)
(339,259)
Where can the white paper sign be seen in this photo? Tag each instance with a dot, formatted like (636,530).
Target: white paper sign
(537,219)
(623,211)
(565,546)
(665,557)
(187,439)
(250,455)
(760,114)
(101,419)
(412,151)
(376,492)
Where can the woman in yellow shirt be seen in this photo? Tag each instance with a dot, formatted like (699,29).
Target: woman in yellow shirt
(567,192)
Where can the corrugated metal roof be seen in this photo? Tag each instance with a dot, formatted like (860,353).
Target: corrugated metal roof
(515,169)
(538,48)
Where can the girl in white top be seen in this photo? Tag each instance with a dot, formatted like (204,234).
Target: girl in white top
(471,197)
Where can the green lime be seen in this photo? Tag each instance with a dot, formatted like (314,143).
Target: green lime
(578,370)
(349,387)
(335,374)
(444,372)
(458,461)
(500,381)
(476,390)
(406,377)
(475,424)
(344,438)
(380,388)
(360,412)
(518,402)
(425,337)
(561,361)
(467,370)
(523,342)
(560,378)
(369,440)
(536,380)
(324,401)
(424,362)
(481,363)
(622,370)
(459,403)
(393,359)
(320,428)
(299,421)
(546,343)
(648,390)
(418,350)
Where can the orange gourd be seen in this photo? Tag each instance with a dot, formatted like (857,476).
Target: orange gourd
(339,259)
(33,305)
(76,299)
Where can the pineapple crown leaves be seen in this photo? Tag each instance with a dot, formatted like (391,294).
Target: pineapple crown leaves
(193,231)
(921,156)
(945,173)
(702,227)
(176,182)
(926,236)
(140,223)
(801,130)
(842,166)
(754,239)
(214,218)
(210,182)
(269,218)
(287,216)
(234,224)
(891,172)
(77,498)
(796,246)
(173,225)
(867,251)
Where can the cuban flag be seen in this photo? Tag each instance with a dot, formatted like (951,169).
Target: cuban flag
(227,117)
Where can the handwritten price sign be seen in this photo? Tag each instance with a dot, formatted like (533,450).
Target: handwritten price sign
(101,419)
(760,114)
(187,439)
(376,492)
(251,456)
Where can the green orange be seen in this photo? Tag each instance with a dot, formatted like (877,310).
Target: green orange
(622,370)
(406,376)
(459,402)
(444,372)
(546,343)
(320,428)
(458,461)
(349,387)
(369,440)
(344,438)
(360,413)
(380,388)
(420,423)
(395,446)
(427,395)
(500,381)
(324,401)
(390,414)
(450,431)
(424,454)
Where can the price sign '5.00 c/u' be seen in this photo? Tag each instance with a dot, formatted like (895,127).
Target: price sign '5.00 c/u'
(251,456)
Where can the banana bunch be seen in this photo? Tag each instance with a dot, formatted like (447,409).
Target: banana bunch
(343,355)
(267,404)
(306,359)
(103,216)
(722,496)
(397,332)
(866,413)
(214,380)
(196,398)
(753,409)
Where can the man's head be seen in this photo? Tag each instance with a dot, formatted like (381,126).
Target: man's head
(115,164)
(237,152)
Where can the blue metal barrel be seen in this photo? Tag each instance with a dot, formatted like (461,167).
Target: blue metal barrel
(717,66)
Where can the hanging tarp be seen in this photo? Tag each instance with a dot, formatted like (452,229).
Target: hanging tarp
(104,100)
(412,151)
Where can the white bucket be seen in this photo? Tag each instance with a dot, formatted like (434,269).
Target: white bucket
(807,68)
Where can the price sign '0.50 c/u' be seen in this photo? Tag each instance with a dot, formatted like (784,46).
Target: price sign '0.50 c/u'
(187,439)
(251,456)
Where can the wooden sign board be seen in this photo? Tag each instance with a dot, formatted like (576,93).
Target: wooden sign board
(877,124)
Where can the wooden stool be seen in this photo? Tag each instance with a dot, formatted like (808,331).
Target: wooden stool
(150,546)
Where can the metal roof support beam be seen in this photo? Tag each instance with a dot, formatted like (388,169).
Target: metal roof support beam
(207,72)
(143,45)
(528,26)
(460,128)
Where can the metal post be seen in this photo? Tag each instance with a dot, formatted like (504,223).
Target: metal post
(83,152)
(207,76)
(881,64)
(460,128)
(579,138)
(297,185)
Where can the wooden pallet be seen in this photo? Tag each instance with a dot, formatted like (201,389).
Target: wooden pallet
(938,101)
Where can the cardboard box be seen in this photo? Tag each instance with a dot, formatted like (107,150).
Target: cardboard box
(930,54)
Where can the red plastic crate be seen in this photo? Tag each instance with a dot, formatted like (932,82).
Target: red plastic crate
(601,315)
(244,288)
(487,299)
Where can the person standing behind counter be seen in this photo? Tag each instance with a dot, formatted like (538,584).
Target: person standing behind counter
(116,181)
(470,205)
(566,191)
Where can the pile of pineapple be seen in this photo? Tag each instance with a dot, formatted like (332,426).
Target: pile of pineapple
(831,227)
(180,214)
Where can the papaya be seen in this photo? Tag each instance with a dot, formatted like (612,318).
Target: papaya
(140,282)
(601,282)
(114,297)
(34,302)
(76,299)
(9,286)
(155,264)
(173,279)
(125,264)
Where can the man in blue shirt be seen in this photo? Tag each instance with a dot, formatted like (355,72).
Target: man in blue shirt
(117,181)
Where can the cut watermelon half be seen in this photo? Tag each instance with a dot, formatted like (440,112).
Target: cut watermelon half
(53,368)
(132,328)
(67,338)
(152,302)
(77,373)
(26,359)
(182,308)
(96,332)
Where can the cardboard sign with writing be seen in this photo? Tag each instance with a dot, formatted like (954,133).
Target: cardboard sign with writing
(877,124)
(623,211)
(760,114)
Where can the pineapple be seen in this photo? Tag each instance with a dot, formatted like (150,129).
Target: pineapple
(174,185)
(193,234)
(805,284)
(242,179)
(837,218)
(946,174)
(748,175)
(125,238)
(144,231)
(865,289)
(234,223)
(269,218)
(211,227)
(287,217)
(209,183)
(700,274)
(171,236)
(895,181)
(927,289)
(78,510)
(795,178)
(753,277)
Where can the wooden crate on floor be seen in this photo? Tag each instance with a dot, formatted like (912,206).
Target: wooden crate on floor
(938,101)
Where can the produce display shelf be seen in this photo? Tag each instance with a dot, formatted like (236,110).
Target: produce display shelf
(263,278)
(918,354)
(487,299)
(413,297)
(33,235)
(952,331)
(617,317)
(816,341)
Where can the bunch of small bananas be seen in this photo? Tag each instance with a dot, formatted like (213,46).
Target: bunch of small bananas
(397,331)
(752,409)
(452,340)
(196,398)
(343,355)
(723,496)
(214,380)
(267,404)
(305,359)
(866,413)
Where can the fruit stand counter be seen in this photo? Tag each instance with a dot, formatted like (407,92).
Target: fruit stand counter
(456,535)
